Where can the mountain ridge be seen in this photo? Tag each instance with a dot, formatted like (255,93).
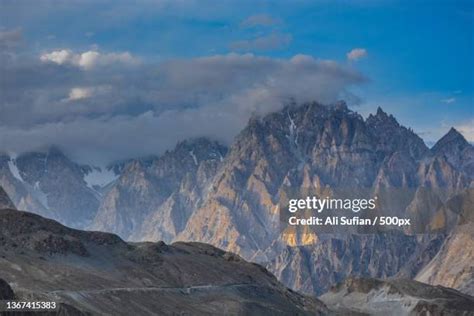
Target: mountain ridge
(99,273)
(230,197)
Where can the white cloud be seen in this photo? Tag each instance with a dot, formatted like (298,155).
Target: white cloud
(467,130)
(448,100)
(89,59)
(59,57)
(80,93)
(208,96)
(259,20)
(356,54)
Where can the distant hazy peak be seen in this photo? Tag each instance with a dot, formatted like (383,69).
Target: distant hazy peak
(451,138)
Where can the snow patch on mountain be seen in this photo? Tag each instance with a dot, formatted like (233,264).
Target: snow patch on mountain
(14,169)
(292,128)
(38,194)
(100,177)
(191,153)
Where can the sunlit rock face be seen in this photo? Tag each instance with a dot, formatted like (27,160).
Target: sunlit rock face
(232,197)
(316,148)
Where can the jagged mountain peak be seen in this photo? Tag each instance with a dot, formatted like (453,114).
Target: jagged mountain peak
(298,116)
(170,184)
(456,149)
(392,136)
(450,139)
(382,118)
(47,182)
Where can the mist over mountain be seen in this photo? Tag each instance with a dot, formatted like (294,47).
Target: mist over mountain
(237,157)
(50,184)
(230,197)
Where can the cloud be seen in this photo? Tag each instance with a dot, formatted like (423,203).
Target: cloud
(259,20)
(89,59)
(269,42)
(356,54)
(467,130)
(448,100)
(58,57)
(80,93)
(120,112)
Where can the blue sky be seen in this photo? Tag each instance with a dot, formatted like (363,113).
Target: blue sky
(416,56)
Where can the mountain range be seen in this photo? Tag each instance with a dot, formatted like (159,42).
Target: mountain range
(96,273)
(230,196)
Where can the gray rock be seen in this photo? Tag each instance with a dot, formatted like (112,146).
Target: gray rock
(119,278)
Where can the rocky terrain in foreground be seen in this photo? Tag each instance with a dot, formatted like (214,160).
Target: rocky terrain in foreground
(397,297)
(99,273)
(5,201)
(95,273)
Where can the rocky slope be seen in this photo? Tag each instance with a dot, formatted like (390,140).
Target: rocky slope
(314,268)
(457,151)
(397,297)
(5,201)
(231,198)
(49,183)
(297,150)
(453,265)
(153,199)
(99,273)
(315,149)
(311,148)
